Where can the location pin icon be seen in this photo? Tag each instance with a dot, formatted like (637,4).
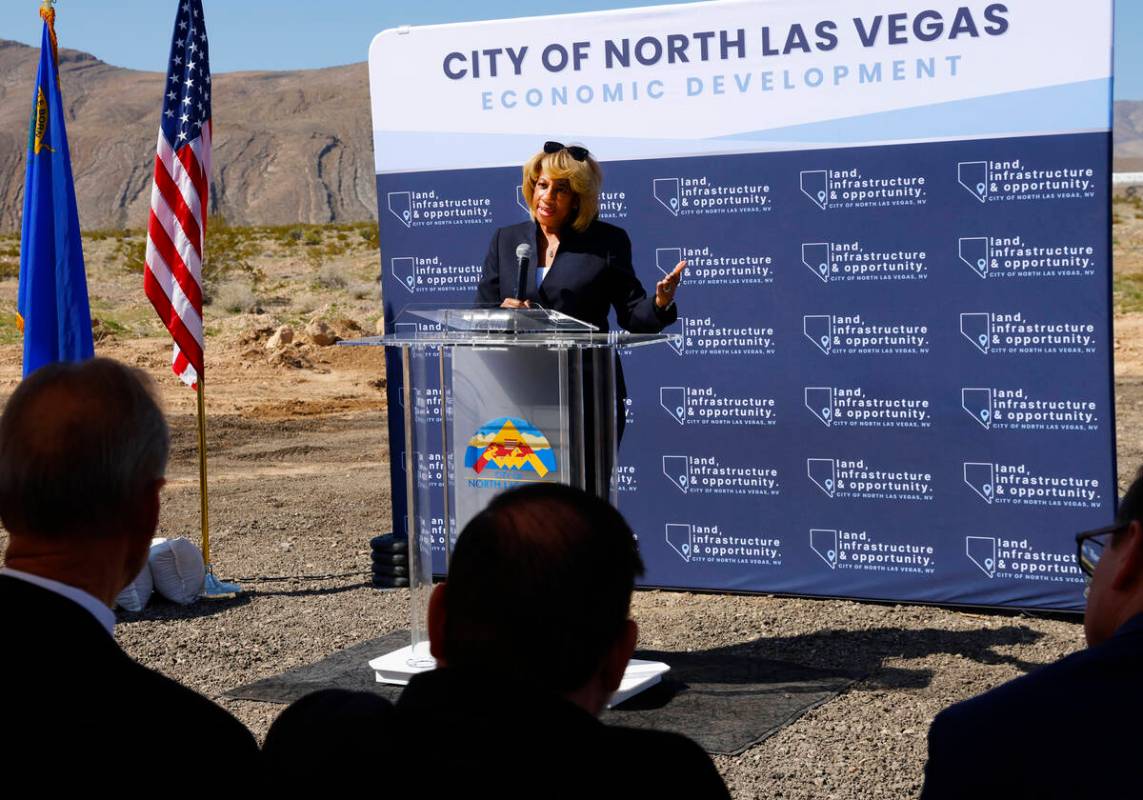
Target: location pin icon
(674,202)
(983,339)
(980,187)
(985,414)
(821,195)
(981,264)
(987,489)
(825,413)
(680,412)
(825,342)
(829,484)
(988,563)
(686,549)
(406,214)
(831,555)
(824,268)
(682,480)
(409,280)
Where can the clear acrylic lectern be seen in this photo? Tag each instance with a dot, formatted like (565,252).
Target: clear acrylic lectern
(493,398)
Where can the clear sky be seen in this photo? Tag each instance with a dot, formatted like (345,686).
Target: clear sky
(300,34)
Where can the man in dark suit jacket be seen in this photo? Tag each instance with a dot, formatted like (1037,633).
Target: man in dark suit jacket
(1065,730)
(83,448)
(531,637)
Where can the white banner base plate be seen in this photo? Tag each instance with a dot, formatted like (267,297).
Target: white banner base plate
(394,668)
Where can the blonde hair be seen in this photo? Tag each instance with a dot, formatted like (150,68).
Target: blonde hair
(584,177)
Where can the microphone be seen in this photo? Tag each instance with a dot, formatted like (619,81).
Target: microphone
(523,256)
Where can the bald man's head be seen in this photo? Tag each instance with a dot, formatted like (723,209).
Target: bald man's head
(79,442)
(543,574)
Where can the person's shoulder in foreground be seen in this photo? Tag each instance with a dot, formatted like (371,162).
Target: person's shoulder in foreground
(1039,735)
(336,738)
(1064,730)
(83,448)
(513,735)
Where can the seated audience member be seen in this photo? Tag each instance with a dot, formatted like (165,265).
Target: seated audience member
(532,635)
(83,448)
(1056,732)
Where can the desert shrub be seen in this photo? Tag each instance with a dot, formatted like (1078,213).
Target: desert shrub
(361,290)
(9,332)
(236,297)
(305,303)
(331,276)
(104,327)
(229,251)
(368,231)
(9,258)
(131,251)
(1128,293)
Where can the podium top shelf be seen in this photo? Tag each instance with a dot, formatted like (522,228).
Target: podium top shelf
(433,338)
(422,326)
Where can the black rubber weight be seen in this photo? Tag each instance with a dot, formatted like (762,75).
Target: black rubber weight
(395,559)
(391,548)
(390,583)
(389,544)
(399,572)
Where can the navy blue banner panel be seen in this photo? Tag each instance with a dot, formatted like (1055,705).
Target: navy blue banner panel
(891,376)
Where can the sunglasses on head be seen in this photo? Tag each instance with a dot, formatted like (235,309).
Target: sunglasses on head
(575,151)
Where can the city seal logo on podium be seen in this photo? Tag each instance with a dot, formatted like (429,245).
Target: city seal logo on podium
(510,448)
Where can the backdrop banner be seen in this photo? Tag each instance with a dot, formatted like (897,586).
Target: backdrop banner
(892,373)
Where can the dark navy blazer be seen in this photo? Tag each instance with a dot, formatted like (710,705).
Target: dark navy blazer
(77,708)
(591,274)
(1067,730)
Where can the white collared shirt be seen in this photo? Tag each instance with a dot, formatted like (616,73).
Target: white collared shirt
(93,604)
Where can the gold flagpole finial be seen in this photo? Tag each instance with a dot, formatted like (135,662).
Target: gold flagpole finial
(48,15)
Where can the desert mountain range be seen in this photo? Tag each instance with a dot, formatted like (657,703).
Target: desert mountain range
(289,146)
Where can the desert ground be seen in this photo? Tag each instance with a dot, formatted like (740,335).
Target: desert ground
(299,460)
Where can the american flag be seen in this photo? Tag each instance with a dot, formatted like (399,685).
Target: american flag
(176,231)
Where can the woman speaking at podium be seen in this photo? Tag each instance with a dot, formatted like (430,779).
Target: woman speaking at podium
(583,266)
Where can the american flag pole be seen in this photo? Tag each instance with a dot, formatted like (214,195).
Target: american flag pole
(176,229)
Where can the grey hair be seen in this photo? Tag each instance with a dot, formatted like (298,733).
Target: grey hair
(78,443)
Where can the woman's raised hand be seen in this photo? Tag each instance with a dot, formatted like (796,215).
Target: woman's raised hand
(665,289)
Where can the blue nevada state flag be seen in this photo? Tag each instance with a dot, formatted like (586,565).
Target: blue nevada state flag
(52,300)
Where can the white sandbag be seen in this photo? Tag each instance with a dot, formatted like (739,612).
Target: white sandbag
(135,595)
(177,570)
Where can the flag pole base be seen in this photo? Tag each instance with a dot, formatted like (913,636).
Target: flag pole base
(214,589)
